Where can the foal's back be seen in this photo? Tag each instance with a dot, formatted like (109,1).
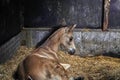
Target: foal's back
(43,68)
(35,67)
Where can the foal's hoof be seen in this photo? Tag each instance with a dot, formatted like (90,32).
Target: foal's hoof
(79,78)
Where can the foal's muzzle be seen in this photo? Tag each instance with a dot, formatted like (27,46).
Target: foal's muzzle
(71,51)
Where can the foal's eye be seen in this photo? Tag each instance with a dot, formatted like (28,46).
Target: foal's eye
(71,38)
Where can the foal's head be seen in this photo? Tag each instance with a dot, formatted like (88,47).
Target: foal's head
(67,40)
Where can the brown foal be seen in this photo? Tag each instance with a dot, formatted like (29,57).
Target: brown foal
(43,62)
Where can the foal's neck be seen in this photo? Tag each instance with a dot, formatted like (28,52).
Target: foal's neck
(52,43)
(53,46)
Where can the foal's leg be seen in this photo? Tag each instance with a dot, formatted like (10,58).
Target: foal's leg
(19,74)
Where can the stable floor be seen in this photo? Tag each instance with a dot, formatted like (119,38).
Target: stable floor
(92,68)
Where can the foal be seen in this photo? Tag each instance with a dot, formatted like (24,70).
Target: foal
(43,62)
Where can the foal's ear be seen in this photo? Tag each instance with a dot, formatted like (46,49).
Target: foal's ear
(72,28)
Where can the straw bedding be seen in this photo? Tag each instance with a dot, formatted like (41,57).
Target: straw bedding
(92,68)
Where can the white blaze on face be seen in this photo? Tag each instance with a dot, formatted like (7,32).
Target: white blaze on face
(73,46)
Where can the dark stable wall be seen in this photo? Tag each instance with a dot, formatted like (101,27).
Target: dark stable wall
(114,17)
(9,19)
(84,13)
(44,13)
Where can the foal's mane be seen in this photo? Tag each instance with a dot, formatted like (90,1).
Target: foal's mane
(51,33)
(60,31)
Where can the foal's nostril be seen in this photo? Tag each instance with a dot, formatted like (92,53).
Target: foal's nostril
(71,51)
